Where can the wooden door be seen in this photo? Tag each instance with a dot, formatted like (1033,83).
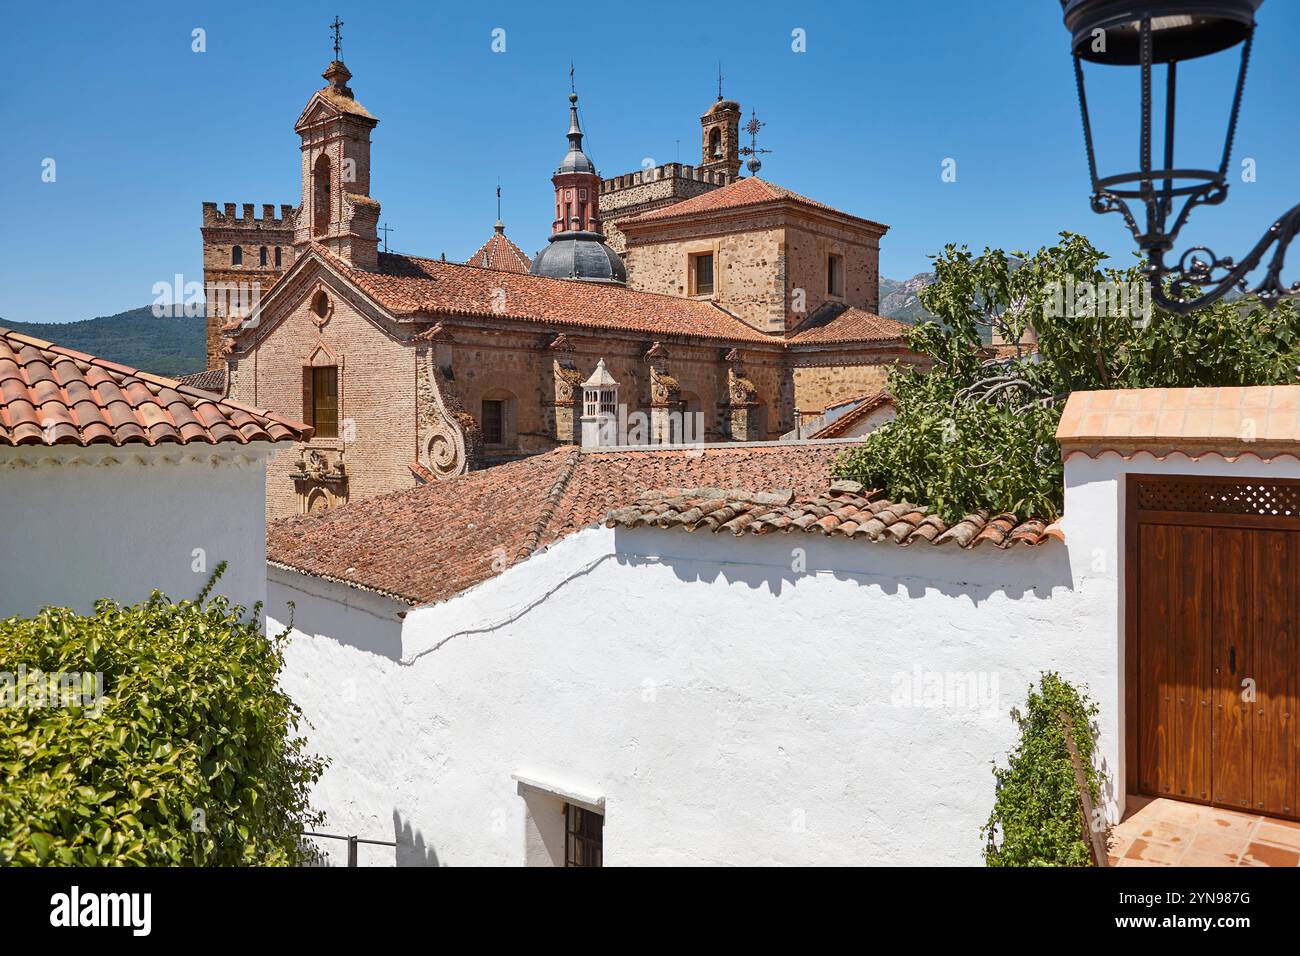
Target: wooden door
(1214,578)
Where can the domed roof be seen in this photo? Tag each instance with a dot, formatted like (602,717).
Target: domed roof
(579,255)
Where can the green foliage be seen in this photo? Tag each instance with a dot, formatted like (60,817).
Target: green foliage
(1036,819)
(977,432)
(191,720)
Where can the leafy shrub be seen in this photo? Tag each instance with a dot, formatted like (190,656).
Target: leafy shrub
(978,432)
(1036,819)
(190,757)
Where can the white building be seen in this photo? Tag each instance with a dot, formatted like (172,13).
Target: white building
(114,482)
(812,675)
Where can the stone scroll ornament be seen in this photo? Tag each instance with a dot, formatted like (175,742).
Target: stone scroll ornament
(455,440)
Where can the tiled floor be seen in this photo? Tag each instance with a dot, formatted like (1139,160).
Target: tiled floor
(1162,832)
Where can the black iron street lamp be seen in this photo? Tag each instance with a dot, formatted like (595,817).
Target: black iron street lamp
(1144,33)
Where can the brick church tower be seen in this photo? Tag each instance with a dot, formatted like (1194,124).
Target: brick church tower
(336,209)
(720,137)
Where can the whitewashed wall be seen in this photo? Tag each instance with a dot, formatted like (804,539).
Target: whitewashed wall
(84,523)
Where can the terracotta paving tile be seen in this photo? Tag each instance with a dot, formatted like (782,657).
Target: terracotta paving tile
(1177,812)
(1162,831)
(1262,854)
(1280,832)
(1224,847)
(1156,853)
(1229,822)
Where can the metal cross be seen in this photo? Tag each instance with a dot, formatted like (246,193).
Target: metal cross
(338,43)
(719,79)
(498,202)
(386,229)
(752,150)
(572,88)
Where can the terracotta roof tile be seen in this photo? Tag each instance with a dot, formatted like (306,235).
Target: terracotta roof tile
(210,380)
(855,415)
(474,526)
(407,286)
(750,191)
(501,254)
(51,396)
(841,324)
(1261,420)
(845,509)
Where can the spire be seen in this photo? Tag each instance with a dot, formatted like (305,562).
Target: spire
(575,161)
(500,226)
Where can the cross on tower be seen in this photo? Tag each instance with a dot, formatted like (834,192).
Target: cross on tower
(386,229)
(719,79)
(338,42)
(752,127)
(572,88)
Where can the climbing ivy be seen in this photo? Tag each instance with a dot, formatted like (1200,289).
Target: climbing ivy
(1036,819)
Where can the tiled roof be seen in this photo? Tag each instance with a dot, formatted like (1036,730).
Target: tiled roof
(856,414)
(210,380)
(750,191)
(429,543)
(407,285)
(501,254)
(1262,420)
(56,396)
(839,324)
(845,510)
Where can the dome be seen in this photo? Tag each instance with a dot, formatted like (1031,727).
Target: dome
(579,255)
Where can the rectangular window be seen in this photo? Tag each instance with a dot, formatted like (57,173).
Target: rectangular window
(494,419)
(322,400)
(702,269)
(584,840)
(835,275)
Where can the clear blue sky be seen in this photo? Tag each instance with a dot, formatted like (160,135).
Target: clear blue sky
(143,130)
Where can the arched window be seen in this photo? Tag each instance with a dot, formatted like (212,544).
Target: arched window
(261,257)
(277,257)
(320,192)
(236,256)
(715,144)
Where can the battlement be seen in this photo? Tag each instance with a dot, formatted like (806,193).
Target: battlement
(715,177)
(228,219)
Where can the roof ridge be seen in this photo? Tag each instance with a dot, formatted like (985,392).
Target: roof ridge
(550,503)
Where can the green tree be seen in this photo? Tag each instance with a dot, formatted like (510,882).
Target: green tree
(191,756)
(976,430)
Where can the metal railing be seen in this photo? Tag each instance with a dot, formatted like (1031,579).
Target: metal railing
(352,841)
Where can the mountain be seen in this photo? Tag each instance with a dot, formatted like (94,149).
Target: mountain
(899,299)
(165,346)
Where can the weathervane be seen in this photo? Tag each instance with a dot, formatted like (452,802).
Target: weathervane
(719,79)
(572,88)
(386,229)
(752,127)
(338,42)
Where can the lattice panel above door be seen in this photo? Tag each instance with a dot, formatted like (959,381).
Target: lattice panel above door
(1243,496)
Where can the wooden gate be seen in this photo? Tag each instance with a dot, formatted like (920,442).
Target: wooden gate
(1212,596)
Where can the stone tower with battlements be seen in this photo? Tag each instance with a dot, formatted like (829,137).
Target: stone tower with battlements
(243,256)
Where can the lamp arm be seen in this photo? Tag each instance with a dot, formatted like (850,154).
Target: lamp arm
(1193,271)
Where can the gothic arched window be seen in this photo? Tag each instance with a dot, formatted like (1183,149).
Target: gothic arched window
(277,257)
(320,192)
(236,256)
(261,257)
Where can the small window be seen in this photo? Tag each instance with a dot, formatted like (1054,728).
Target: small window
(236,256)
(584,837)
(321,403)
(494,419)
(834,275)
(702,274)
(262,256)
(277,257)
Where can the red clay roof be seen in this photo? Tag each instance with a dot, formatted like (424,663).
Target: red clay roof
(1260,420)
(836,326)
(55,396)
(855,415)
(750,191)
(210,380)
(846,510)
(501,254)
(407,285)
(432,542)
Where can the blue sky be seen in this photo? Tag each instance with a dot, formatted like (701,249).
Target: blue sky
(143,129)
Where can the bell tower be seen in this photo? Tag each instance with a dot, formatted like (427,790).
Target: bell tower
(336,209)
(720,135)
